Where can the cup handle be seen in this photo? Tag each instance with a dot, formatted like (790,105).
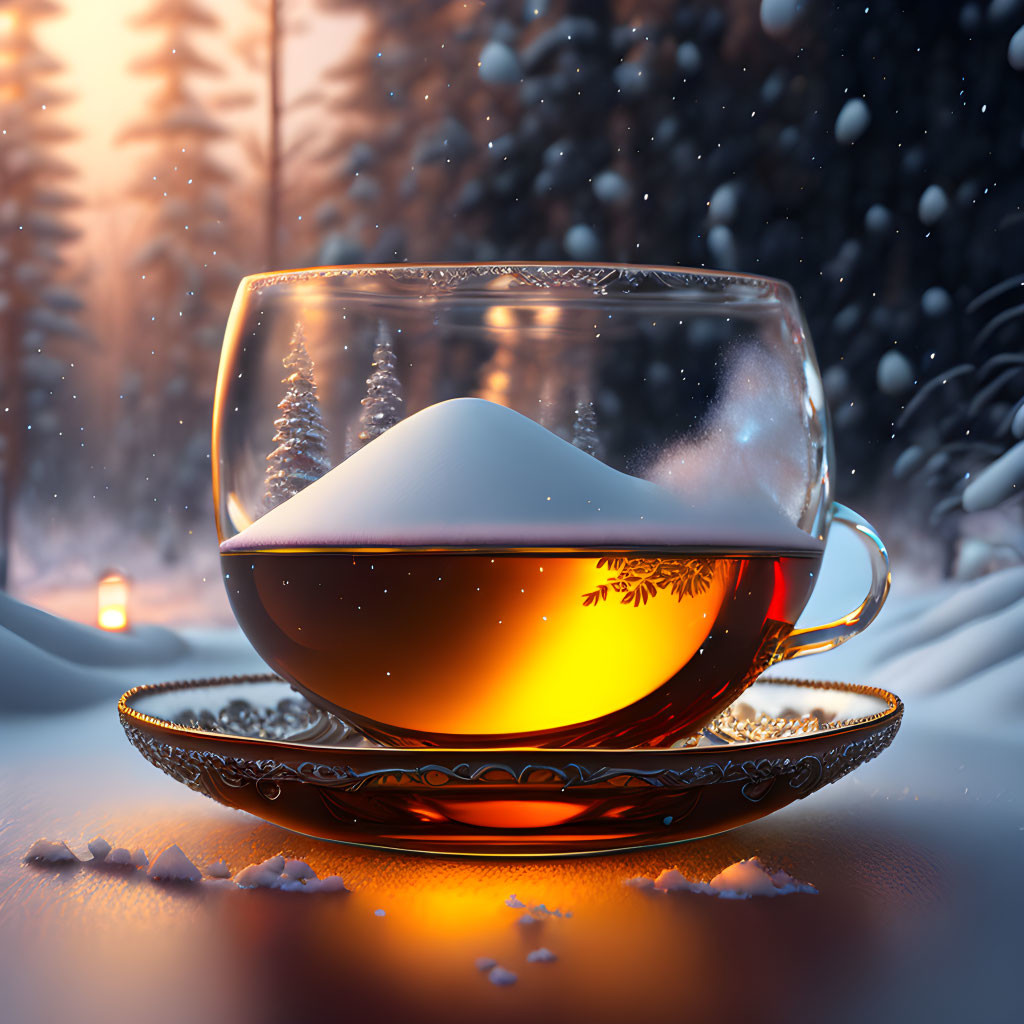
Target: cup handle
(824,638)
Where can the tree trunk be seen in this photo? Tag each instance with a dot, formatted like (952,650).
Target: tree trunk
(273,207)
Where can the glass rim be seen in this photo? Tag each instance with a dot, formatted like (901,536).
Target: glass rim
(446,273)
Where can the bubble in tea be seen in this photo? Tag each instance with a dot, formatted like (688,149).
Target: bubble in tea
(469,578)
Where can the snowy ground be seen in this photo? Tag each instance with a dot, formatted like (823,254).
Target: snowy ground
(915,858)
(953,650)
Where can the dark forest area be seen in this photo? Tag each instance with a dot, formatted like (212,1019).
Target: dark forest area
(869,155)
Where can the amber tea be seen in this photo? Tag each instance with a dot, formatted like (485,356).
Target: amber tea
(519,648)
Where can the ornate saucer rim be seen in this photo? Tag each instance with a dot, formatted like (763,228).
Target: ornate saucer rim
(892,711)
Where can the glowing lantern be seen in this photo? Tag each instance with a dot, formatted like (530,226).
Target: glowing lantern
(112,601)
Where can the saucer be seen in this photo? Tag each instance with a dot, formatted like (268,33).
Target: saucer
(254,744)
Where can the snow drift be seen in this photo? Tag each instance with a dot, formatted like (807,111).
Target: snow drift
(468,472)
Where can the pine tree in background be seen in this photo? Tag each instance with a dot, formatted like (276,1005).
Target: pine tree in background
(584,430)
(382,406)
(186,278)
(300,455)
(408,120)
(697,133)
(279,154)
(961,435)
(37,309)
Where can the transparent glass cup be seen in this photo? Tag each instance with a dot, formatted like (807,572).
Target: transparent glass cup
(525,504)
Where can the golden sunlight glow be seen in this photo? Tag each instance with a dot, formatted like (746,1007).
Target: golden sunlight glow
(112,602)
(238,517)
(499,316)
(489,645)
(575,662)
(506,317)
(546,316)
(8,22)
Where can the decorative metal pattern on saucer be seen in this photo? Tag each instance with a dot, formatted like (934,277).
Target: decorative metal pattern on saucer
(251,743)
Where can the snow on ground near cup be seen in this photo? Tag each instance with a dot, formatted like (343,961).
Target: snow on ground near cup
(86,645)
(469,472)
(953,650)
(50,664)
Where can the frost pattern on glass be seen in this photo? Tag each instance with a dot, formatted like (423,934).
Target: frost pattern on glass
(600,278)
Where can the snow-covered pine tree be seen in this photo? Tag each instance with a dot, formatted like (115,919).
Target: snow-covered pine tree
(300,453)
(382,406)
(37,308)
(562,129)
(402,129)
(962,430)
(584,430)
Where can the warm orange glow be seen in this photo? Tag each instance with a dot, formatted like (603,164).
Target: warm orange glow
(546,316)
(112,602)
(575,662)
(487,645)
(113,619)
(8,22)
(523,813)
(238,518)
(499,316)
(500,646)
(507,317)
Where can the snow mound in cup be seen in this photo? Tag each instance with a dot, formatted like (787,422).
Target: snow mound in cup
(471,473)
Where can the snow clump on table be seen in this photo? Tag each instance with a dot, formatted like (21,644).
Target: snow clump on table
(288,876)
(541,956)
(99,848)
(739,881)
(498,975)
(123,858)
(50,851)
(534,911)
(173,866)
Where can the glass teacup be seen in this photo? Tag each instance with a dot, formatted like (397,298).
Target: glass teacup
(524,505)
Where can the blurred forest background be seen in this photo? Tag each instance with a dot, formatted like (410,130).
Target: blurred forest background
(154,151)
